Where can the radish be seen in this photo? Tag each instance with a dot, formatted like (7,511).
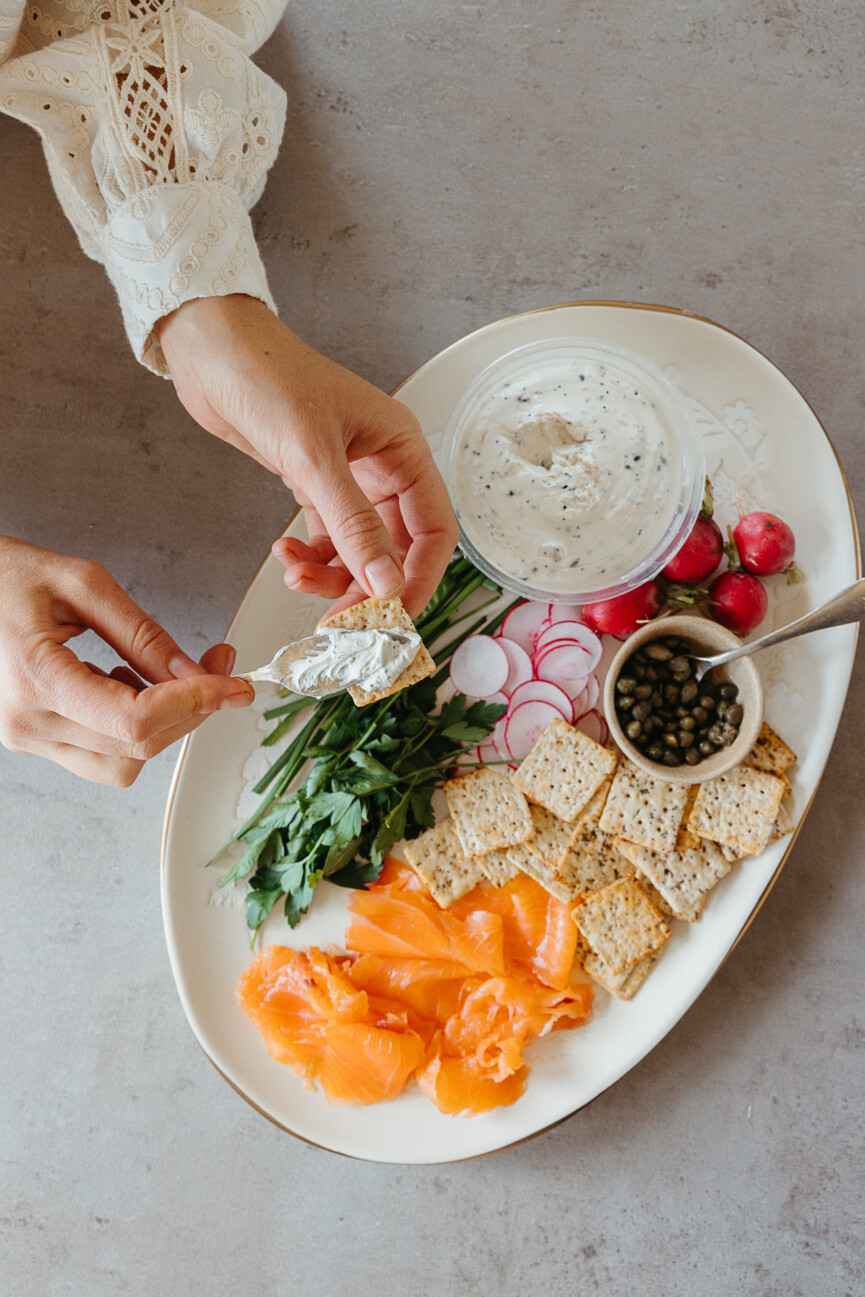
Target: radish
(526,724)
(498,738)
(559,612)
(621,616)
(524,624)
(479,666)
(700,555)
(738,601)
(542,691)
(765,543)
(565,665)
(588,699)
(594,727)
(577,633)
(520,665)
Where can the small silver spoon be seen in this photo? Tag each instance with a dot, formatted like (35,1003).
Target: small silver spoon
(277,670)
(846,607)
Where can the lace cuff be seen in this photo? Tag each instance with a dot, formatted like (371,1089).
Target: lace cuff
(171,243)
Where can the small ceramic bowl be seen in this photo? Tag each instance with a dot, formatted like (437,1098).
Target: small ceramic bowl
(707,637)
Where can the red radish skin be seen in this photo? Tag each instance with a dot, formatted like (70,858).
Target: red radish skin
(594,727)
(479,667)
(565,665)
(498,738)
(543,691)
(526,724)
(700,555)
(559,612)
(765,543)
(520,665)
(524,624)
(624,614)
(738,601)
(576,633)
(588,699)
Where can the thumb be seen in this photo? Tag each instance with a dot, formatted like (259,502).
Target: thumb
(107,609)
(358,534)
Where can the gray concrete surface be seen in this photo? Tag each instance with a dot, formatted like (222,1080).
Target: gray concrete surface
(444,165)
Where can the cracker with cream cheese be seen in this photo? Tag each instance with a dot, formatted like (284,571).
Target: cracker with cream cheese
(383,614)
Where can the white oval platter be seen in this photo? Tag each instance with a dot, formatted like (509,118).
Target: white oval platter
(765,448)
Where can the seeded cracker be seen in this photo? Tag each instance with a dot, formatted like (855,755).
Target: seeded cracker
(438,859)
(783,823)
(770,753)
(623,985)
(488,811)
(552,835)
(659,902)
(594,808)
(644,809)
(685,840)
(593,860)
(738,809)
(529,862)
(498,867)
(683,878)
(621,925)
(383,614)
(563,770)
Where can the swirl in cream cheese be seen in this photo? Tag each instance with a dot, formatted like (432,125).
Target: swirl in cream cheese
(568,475)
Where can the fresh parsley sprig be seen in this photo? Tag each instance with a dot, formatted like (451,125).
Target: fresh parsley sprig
(368,774)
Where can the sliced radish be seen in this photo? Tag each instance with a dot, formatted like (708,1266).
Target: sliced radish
(501,699)
(565,665)
(498,738)
(526,724)
(588,699)
(520,662)
(558,643)
(579,655)
(524,624)
(542,691)
(576,632)
(487,752)
(594,727)
(479,666)
(563,612)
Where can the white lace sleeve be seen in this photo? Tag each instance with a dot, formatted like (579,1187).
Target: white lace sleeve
(159,131)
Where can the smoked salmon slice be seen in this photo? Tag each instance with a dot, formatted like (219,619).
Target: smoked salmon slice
(314,1019)
(398,923)
(449,997)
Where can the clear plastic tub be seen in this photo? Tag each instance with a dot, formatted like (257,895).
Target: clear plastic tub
(575,469)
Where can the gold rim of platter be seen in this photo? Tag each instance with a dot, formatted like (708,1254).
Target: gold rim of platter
(632,306)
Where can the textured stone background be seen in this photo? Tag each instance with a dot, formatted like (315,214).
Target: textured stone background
(444,165)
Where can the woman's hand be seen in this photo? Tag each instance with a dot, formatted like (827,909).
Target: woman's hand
(377,511)
(101,726)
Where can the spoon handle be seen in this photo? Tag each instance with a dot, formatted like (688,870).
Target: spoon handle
(847,606)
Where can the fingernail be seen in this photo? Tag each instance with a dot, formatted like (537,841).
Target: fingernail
(383,576)
(237,700)
(229,660)
(182,667)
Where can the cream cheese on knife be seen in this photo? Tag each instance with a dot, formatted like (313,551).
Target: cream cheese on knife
(568,475)
(370,659)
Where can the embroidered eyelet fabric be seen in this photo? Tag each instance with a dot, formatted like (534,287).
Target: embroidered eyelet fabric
(158,130)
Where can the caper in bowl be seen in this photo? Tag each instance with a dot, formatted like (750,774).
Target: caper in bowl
(664,719)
